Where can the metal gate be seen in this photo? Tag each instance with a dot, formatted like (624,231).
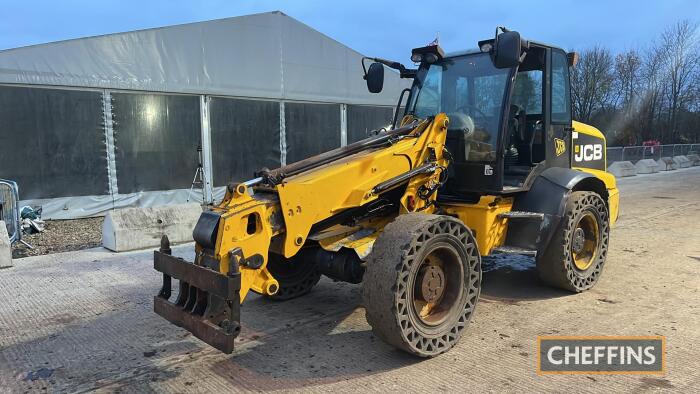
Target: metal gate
(9,209)
(636,153)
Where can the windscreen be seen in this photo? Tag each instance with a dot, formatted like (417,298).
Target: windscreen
(470,90)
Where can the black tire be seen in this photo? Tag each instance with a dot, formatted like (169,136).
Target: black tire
(405,253)
(559,266)
(296,276)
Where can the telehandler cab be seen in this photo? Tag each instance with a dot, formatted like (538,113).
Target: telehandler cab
(485,159)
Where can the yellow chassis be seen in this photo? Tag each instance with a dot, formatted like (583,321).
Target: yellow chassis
(256,226)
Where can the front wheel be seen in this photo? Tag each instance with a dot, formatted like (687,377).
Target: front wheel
(296,276)
(576,254)
(422,283)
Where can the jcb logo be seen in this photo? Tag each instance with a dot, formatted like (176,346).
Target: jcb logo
(588,152)
(559,146)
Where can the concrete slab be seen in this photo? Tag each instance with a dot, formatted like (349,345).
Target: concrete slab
(666,164)
(622,169)
(140,228)
(646,166)
(694,159)
(5,247)
(681,161)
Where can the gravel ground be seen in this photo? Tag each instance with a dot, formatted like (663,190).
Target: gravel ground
(83,321)
(62,236)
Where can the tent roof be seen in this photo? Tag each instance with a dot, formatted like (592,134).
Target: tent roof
(268,55)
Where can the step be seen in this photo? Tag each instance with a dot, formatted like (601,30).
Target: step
(521,215)
(514,250)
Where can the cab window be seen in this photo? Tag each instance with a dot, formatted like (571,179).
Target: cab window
(561,107)
(527,91)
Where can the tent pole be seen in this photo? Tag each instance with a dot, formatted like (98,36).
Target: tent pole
(207,188)
(343,124)
(283,136)
(108,121)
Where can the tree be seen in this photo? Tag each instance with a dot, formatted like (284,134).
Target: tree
(639,95)
(591,82)
(527,91)
(626,90)
(652,88)
(680,44)
(627,70)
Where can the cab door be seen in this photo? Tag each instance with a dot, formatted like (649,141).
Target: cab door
(558,110)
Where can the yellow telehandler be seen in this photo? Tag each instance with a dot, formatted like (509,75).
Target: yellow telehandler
(483,159)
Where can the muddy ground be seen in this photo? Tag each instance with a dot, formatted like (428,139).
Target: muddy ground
(82,321)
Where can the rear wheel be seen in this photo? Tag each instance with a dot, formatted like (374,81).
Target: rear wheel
(296,276)
(422,283)
(576,254)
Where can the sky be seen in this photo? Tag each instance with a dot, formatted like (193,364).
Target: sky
(383,29)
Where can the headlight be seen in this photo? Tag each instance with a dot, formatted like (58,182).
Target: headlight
(416,58)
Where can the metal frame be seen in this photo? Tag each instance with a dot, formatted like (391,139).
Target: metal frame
(13,191)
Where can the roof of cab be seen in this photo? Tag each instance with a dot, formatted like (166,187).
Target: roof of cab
(472,51)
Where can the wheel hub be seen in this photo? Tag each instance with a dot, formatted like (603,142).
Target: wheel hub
(432,283)
(584,242)
(579,240)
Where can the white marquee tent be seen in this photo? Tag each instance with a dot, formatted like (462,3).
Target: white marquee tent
(91,124)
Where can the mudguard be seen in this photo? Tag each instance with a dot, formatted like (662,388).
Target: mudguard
(547,195)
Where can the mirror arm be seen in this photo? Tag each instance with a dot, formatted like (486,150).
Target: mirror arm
(522,57)
(389,63)
(525,45)
(364,68)
(403,71)
(503,29)
(395,65)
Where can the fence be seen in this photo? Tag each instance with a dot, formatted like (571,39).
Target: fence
(636,153)
(9,209)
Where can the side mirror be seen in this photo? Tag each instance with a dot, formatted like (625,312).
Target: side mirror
(375,78)
(507,49)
